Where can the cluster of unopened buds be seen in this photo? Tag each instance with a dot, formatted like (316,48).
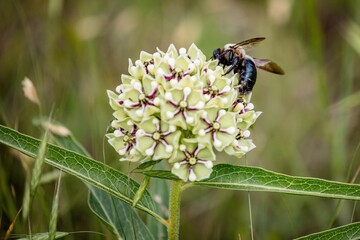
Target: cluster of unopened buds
(179,107)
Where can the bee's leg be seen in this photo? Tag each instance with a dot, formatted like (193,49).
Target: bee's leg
(229,70)
(234,64)
(243,88)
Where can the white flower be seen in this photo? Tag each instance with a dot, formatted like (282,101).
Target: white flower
(178,106)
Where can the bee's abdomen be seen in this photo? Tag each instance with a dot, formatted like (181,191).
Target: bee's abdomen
(248,75)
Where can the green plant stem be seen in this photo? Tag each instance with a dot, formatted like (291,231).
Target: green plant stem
(174,210)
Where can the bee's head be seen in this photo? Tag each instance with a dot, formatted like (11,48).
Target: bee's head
(216,53)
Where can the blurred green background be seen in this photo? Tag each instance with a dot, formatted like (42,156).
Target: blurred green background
(74,50)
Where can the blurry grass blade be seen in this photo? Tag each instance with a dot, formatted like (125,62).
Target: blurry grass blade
(39,161)
(49,177)
(57,128)
(26,200)
(348,102)
(62,134)
(45,236)
(352,35)
(90,27)
(352,163)
(51,125)
(55,8)
(346,232)
(9,206)
(35,176)
(11,227)
(141,190)
(84,168)
(54,211)
(353,179)
(30,91)
(118,216)
(226,176)
(312,27)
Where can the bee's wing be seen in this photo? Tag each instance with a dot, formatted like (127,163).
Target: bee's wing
(250,43)
(268,65)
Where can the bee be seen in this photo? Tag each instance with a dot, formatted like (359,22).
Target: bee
(234,56)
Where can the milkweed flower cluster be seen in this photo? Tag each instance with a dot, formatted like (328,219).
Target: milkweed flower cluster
(179,107)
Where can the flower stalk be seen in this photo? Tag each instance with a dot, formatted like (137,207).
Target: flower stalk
(174,210)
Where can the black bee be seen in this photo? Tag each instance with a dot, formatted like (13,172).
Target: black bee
(234,55)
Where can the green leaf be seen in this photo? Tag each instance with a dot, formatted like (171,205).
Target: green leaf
(160,174)
(147,164)
(118,216)
(84,168)
(346,232)
(227,176)
(245,178)
(54,211)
